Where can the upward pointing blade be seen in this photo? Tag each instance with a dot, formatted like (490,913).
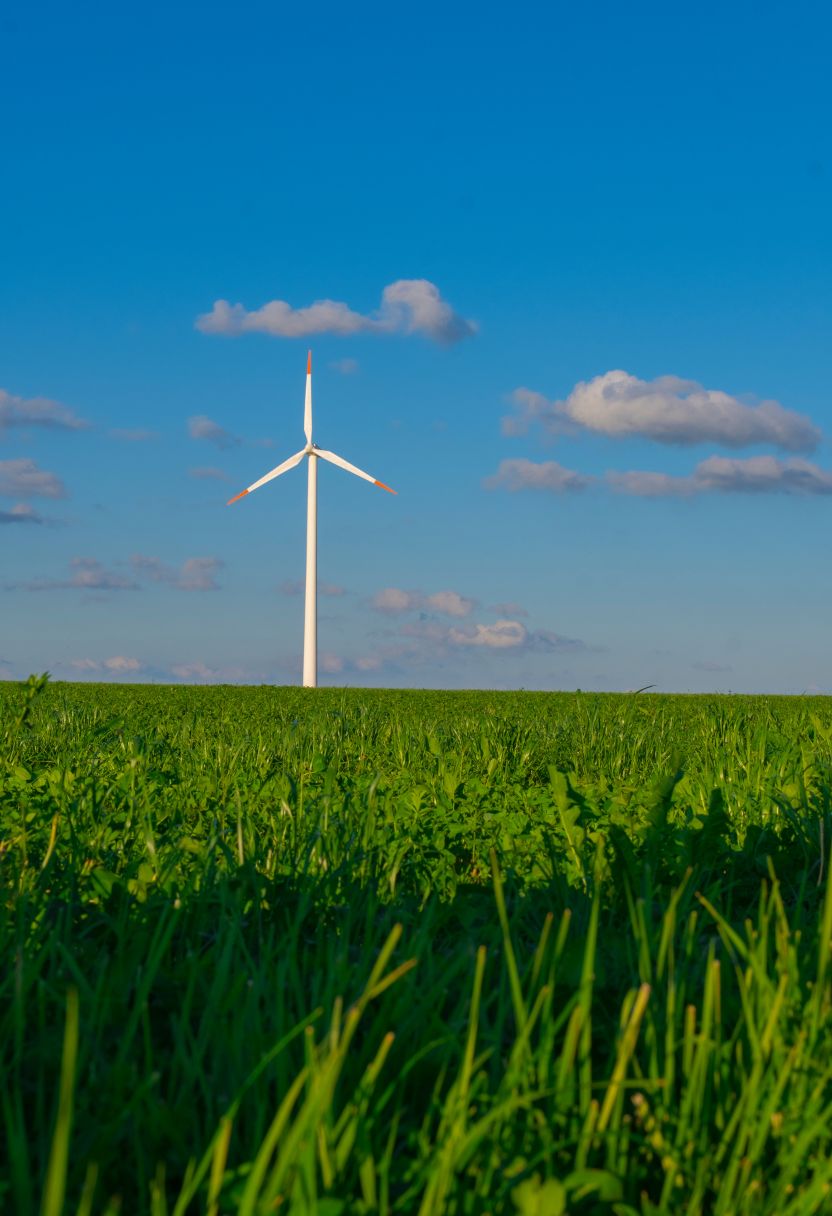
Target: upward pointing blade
(281,468)
(345,464)
(307,412)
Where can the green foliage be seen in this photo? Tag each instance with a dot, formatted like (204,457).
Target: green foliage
(352,953)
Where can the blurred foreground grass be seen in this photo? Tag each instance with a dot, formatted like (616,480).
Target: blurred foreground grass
(328,952)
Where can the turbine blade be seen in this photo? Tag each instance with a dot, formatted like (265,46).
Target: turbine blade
(281,468)
(345,464)
(307,412)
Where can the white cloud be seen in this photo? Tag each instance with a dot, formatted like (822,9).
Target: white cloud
(21,513)
(207,473)
(408,306)
(346,367)
(37,411)
(729,475)
(119,664)
(502,635)
(201,427)
(667,410)
(394,600)
(450,603)
(524,474)
(195,573)
(85,664)
(23,479)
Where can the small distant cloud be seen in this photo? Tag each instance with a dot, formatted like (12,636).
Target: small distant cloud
(37,411)
(667,410)
(369,662)
(22,513)
(136,435)
(729,475)
(201,427)
(207,473)
(195,573)
(347,367)
(706,665)
(330,664)
(86,574)
(195,672)
(23,479)
(298,587)
(520,474)
(408,306)
(119,664)
(394,600)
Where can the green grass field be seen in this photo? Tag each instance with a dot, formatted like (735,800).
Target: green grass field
(342,952)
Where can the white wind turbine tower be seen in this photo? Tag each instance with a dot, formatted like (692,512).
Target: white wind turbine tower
(312,452)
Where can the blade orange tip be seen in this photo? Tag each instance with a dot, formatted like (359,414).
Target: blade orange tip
(309,364)
(384,487)
(242,494)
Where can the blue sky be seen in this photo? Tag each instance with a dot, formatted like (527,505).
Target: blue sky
(509,209)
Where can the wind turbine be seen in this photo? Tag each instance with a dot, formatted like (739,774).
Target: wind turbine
(312,452)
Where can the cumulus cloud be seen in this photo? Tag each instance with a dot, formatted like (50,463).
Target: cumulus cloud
(298,587)
(195,573)
(729,475)
(23,479)
(21,513)
(394,600)
(37,411)
(408,306)
(207,473)
(201,427)
(547,475)
(86,574)
(667,410)
(499,636)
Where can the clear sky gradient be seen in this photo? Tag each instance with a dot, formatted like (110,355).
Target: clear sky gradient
(578,262)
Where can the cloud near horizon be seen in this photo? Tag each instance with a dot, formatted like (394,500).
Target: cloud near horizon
(667,410)
(408,306)
(37,411)
(119,665)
